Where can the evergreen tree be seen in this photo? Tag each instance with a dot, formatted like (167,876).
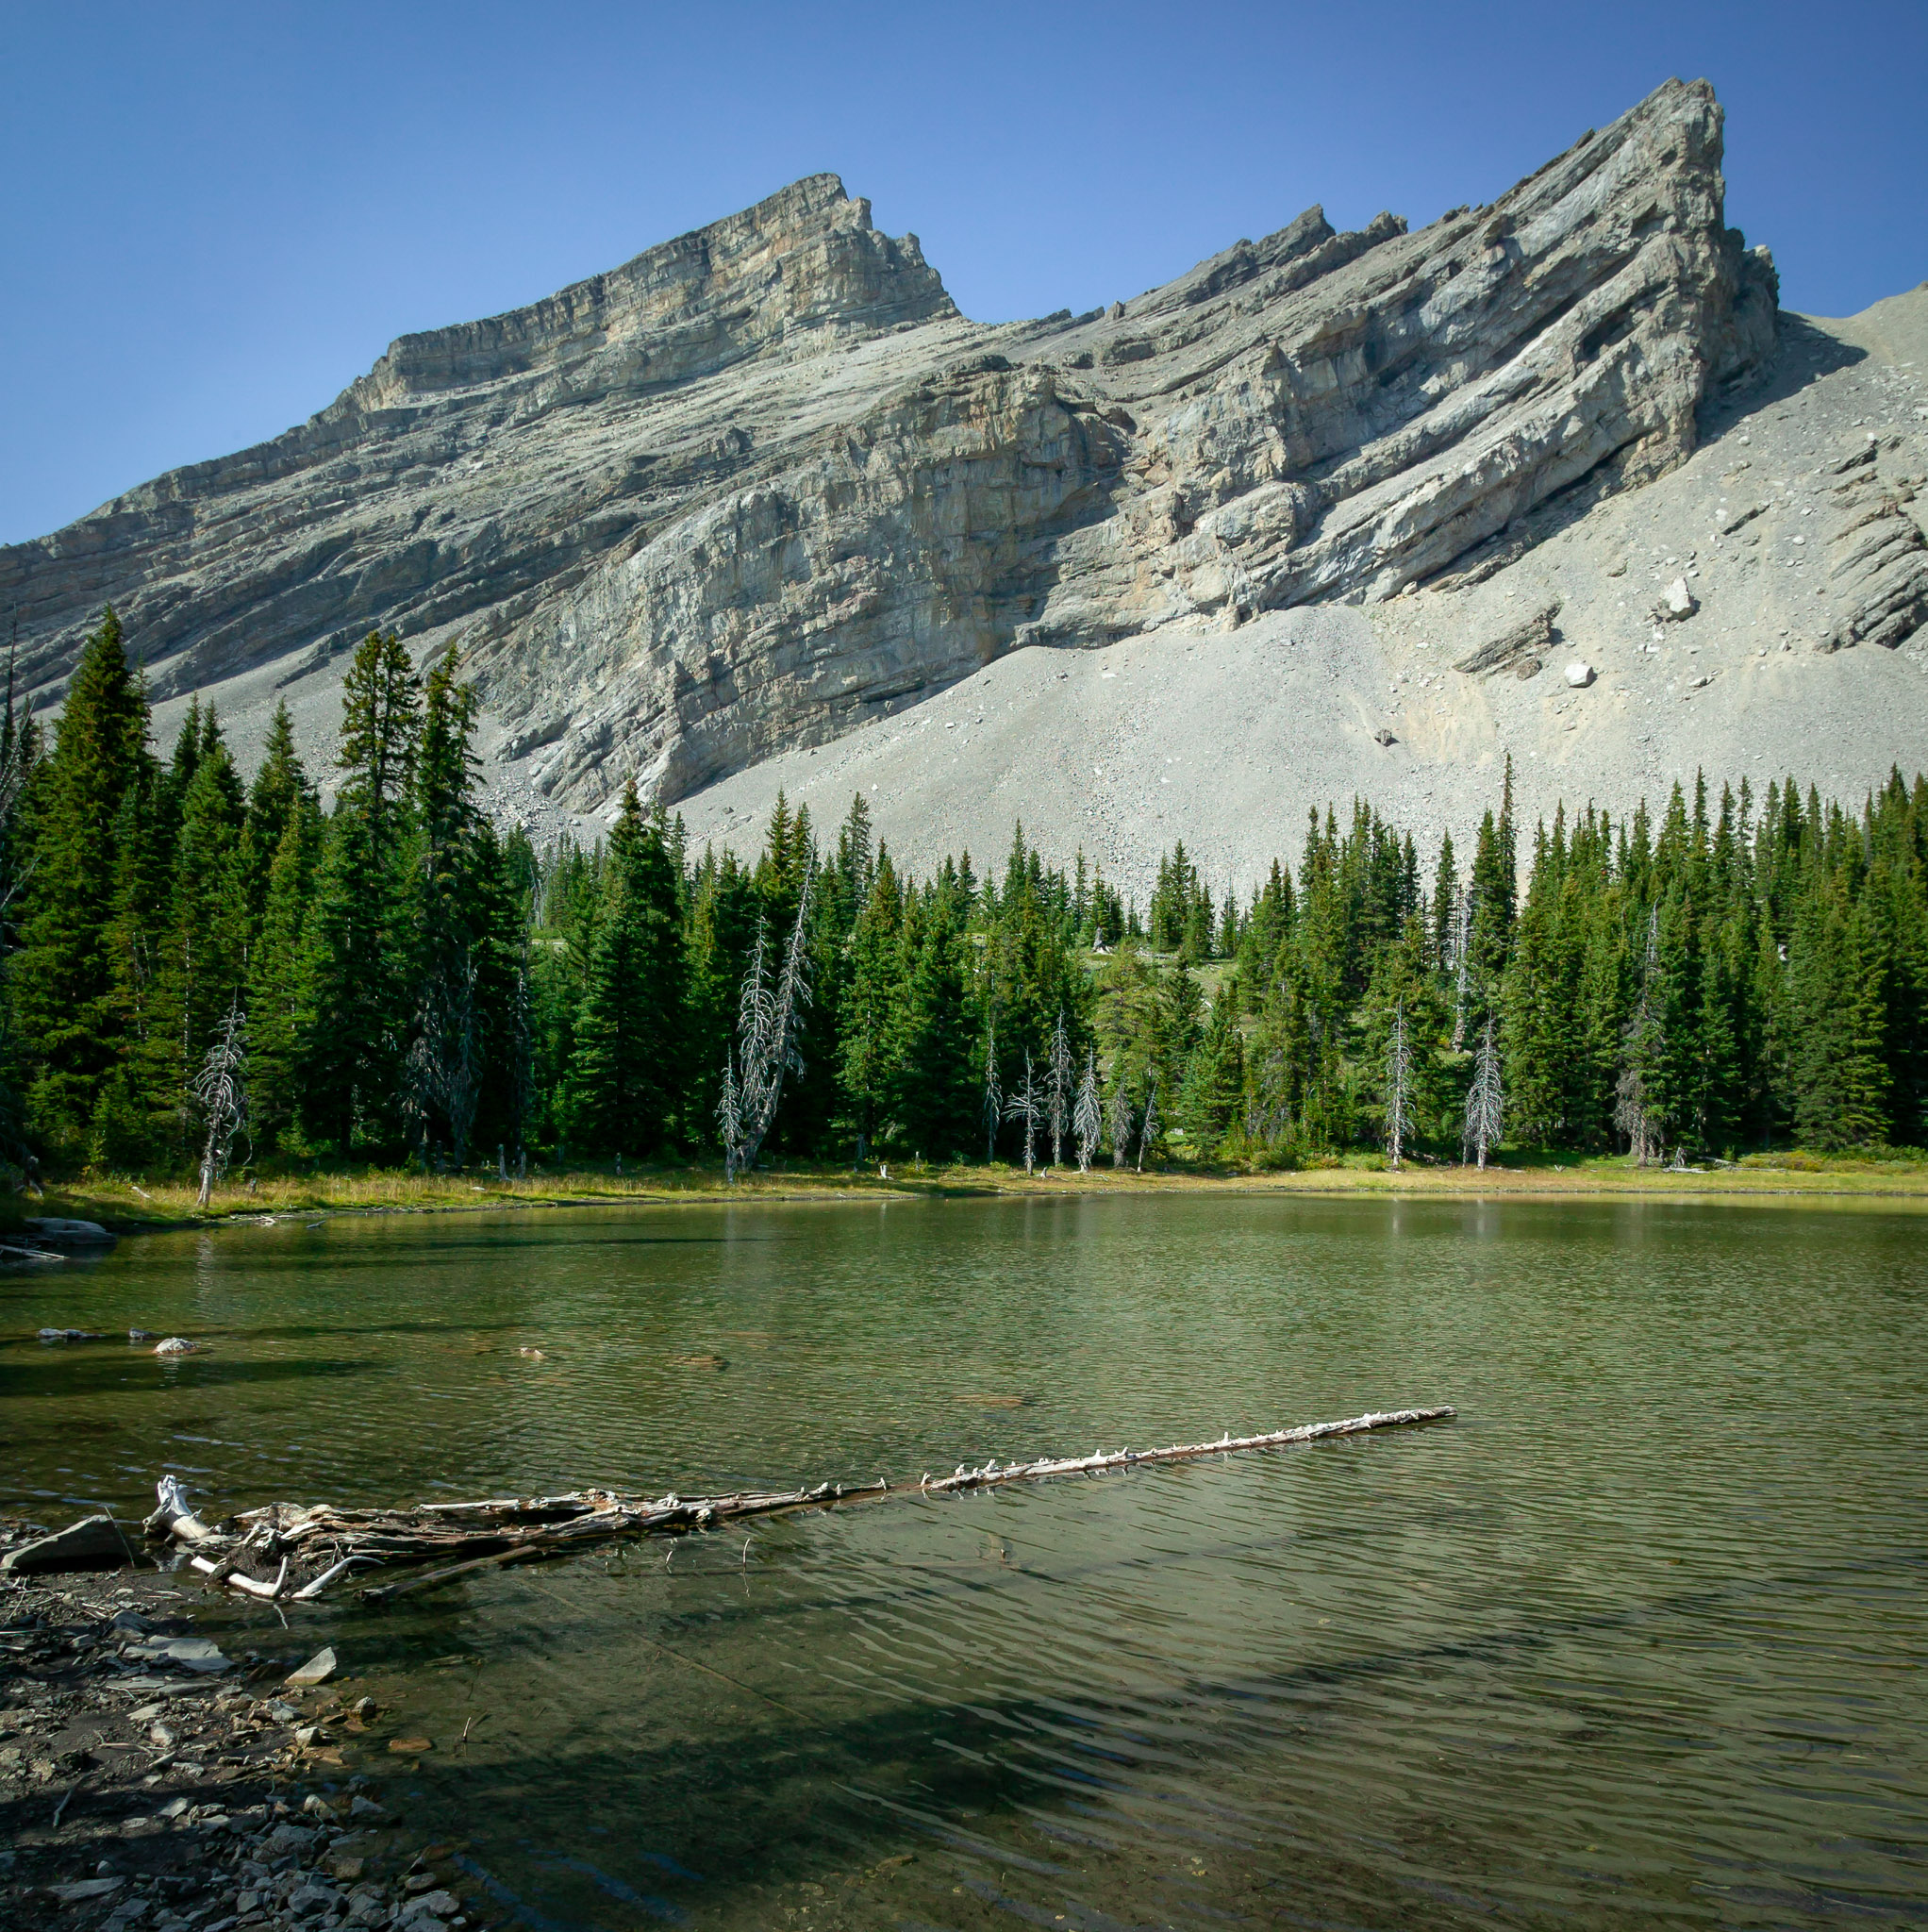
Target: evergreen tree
(627,1078)
(934,1078)
(466,949)
(356,998)
(280,790)
(721,927)
(1841,1083)
(869,1048)
(1543,1019)
(1214,1086)
(69,1024)
(201,951)
(279,1025)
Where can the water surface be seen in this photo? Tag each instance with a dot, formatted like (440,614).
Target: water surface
(1636,1641)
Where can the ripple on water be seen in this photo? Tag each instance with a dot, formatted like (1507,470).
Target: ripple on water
(1636,1642)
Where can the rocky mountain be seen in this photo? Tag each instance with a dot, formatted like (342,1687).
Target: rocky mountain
(1700,622)
(763,483)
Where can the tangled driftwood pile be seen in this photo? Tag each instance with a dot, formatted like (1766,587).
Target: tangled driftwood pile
(292,1552)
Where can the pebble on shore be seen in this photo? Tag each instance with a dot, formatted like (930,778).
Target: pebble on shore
(143,1790)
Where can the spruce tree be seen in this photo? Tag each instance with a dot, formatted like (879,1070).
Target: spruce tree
(278,1022)
(1543,1022)
(67,1020)
(279,790)
(631,1039)
(201,954)
(1214,1084)
(936,1075)
(1837,1071)
(721,927)
(464,950)
(871,1027)
(354,998)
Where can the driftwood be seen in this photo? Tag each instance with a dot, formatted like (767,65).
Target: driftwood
(293,1553)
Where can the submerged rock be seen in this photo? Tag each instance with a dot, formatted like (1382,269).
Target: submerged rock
(64,1233)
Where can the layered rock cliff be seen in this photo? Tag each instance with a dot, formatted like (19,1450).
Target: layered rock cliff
(764,481)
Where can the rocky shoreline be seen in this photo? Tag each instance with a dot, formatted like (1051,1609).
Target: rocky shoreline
(150,1783)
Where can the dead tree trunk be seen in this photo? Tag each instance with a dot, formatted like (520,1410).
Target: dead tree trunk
(223,1094)
(295,1552)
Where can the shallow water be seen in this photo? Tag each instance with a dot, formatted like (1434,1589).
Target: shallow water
(1639,1640)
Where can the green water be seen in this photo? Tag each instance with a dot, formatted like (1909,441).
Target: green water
(1636,1641)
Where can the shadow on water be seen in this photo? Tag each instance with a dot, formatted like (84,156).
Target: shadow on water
(354,1245)
(1076,1769)
(1633,1645)
(183,1373)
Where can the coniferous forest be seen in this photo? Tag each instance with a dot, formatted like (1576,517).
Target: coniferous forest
(209,973)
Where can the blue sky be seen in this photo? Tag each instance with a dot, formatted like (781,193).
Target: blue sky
(217,216)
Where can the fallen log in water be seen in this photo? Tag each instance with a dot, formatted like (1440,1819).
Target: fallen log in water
(293,1553)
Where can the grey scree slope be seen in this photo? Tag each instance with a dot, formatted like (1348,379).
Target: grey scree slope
(760,505)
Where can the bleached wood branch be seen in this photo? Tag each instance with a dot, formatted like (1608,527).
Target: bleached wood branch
(1100,1460)
(505,1529)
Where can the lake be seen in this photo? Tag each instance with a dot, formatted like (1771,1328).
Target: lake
(1637,1640)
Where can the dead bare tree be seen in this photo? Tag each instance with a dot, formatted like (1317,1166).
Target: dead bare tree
(1060,1088)
(221,1088)
(729,1115)
(1119,1121)
(1088,1119)
(1634,1113)
(1027,1105)
(993,1095)
(768,1016)
(1486,1099)
(1632,1109)
(295,1552)
(1148,1133)
(755,1026)
(1399,1085)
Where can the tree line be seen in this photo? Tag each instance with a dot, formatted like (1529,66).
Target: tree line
(201,969)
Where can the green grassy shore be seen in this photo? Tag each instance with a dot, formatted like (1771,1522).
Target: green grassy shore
(131,1206)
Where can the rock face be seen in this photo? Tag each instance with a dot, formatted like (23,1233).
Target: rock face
(764,482)
(1879,556)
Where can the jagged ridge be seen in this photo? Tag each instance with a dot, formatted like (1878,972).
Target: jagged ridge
(763,480)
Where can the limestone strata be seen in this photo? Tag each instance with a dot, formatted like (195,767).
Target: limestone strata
(1878,567)
(764,481)
(1517,641)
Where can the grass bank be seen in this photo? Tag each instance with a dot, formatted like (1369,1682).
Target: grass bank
(131,1205)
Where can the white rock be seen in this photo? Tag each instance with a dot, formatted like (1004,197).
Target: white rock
(184,1652)
(318,1669)
(1579,674)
